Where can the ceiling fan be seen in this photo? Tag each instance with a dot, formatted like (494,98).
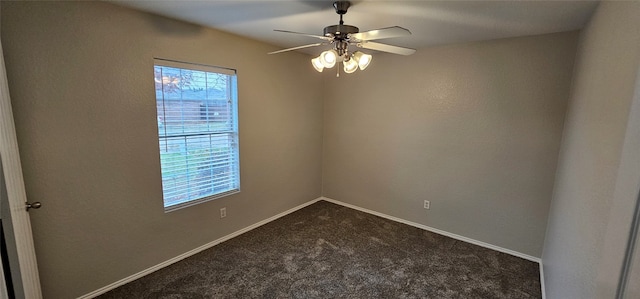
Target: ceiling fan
(341,36)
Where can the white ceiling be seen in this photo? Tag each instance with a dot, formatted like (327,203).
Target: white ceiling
(431,22)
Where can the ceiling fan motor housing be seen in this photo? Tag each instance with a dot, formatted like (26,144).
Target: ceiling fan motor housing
(340,32)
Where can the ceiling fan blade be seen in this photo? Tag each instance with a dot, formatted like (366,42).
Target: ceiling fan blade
(296,48)
(386,48)
(305,34)
(395,31)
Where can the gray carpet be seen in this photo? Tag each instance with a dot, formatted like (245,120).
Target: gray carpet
(330,251)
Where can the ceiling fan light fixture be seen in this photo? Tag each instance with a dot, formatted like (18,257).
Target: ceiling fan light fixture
(317,64)
(328,58)
(342,36)
(362,59)
(350,66)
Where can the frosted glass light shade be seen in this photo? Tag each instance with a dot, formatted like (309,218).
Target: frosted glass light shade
(362,59)
(317,64)
(350,66)
(328,58)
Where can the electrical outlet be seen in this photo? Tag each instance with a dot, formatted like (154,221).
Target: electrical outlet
(427,204)
(223,212)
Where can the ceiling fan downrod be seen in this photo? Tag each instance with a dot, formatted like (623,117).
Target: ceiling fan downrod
(341,31)
(341,8)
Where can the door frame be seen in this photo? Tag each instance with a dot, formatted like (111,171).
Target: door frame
(630,253)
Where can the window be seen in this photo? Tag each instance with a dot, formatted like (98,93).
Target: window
(198,132)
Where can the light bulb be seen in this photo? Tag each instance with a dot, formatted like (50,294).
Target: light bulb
(317,64)
(362,59)
(328,58)
(350,66)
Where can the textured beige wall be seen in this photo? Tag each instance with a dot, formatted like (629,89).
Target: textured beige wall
(80,79)
(474,128)
(599,164)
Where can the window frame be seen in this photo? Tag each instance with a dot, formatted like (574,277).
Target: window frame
(233,97)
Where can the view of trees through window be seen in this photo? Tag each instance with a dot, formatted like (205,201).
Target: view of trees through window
(197,130)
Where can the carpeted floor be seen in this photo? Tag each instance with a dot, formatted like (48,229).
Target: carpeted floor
(330,251)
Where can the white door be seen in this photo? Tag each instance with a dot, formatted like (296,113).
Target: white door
(27,284)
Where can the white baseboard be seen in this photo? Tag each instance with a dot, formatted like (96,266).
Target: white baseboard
(258,224)
(192,252)
(437,231)
(451,235)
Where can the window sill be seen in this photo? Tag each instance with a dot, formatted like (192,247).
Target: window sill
(199,201)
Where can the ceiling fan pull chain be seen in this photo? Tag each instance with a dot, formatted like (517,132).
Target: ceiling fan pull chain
(338,72)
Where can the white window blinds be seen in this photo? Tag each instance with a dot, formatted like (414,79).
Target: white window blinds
(198,132)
